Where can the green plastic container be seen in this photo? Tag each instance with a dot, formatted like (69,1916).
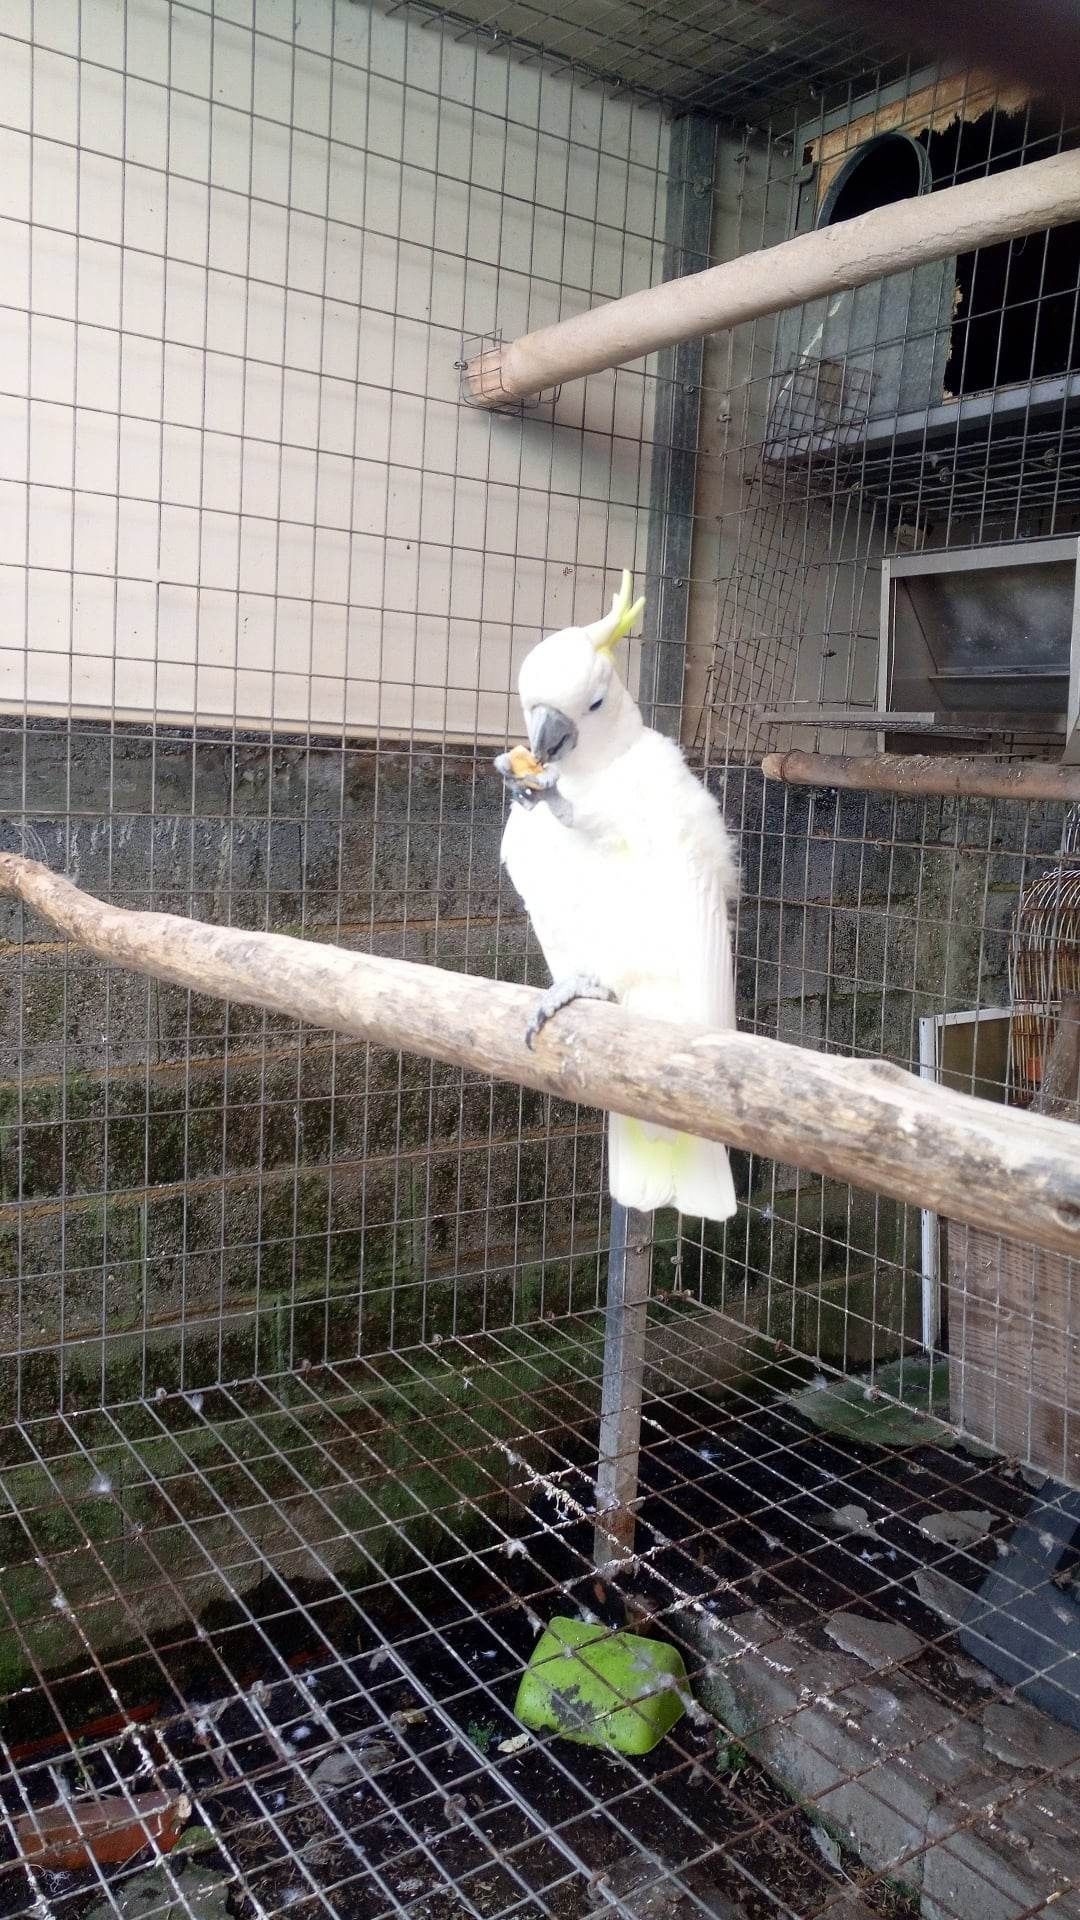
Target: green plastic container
(601,1688)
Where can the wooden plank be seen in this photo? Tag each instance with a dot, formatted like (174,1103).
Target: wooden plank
(1014,1349)
(934,108)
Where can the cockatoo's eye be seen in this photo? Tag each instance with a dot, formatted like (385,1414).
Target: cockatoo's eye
(593,704)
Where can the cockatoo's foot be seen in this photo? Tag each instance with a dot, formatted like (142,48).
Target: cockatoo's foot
(525,780)
(576,986)
(528,788)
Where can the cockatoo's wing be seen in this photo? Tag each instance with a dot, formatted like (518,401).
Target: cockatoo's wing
(670,956)
(672,875)
(706,972)
(677,953)
(554,871)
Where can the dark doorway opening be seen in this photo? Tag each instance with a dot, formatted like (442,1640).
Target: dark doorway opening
(887,168)
(1017,303)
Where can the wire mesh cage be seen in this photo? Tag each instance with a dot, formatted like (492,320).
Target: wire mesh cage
(302,1339)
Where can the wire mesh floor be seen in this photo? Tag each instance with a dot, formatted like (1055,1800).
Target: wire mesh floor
(238,1595)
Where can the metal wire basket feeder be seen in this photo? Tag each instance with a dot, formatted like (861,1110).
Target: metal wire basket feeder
(1044,966)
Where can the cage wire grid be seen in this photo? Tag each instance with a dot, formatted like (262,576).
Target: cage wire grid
(302,1341)
(332,1672)
(747,64)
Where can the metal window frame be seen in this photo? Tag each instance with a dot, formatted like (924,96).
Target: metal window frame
(914,566)
(931,1029)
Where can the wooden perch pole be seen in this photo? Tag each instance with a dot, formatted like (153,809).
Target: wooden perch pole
(922,773)
(830,260)
(863,1121)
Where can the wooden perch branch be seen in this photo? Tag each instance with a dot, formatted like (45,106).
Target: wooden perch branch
(888,240)
(863,1121)
(923,773)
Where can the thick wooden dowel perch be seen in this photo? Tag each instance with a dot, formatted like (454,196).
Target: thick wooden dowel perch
(921,773)
(863,1121)
(827,261)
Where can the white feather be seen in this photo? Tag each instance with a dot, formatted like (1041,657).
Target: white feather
(637,892)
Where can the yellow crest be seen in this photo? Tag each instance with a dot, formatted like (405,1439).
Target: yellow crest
(605,634)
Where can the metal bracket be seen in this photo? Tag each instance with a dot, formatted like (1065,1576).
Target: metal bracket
(477,366)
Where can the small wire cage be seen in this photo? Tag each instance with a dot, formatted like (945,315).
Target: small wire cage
(1045,971)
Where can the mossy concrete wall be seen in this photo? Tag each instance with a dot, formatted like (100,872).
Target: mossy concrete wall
(862,914)
(189,1191)
(177,1509)
(194,1194)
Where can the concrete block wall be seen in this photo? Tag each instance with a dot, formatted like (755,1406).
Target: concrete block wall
(862,914)
(189,1191)
(265,585)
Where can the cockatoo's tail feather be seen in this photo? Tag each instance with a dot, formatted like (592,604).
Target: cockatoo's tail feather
(651,1167)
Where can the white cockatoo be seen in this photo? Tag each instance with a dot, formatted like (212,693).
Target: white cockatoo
(628,875)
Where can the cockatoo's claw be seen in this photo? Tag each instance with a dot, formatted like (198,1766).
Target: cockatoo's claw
(525,788)
(523,793)
(576,986)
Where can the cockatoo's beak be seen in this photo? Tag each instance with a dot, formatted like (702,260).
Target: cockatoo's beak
(550,733)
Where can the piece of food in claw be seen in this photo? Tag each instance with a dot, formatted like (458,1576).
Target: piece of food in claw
(523,766)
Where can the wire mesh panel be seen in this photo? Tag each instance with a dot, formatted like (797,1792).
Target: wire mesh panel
(228,1640)
(266,583)
(738,61)
(302,1340)
(922,416)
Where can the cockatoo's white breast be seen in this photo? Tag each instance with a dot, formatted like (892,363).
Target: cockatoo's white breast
(561,880)
(636,891)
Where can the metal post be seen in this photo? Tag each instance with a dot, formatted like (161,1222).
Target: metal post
(629,1275)
(687,233)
